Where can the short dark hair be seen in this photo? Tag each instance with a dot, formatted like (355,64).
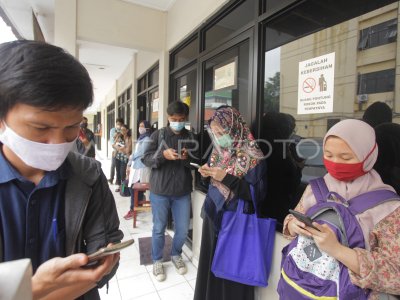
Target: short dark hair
(119,120)
(41,75)
(377,113)
(177,108)
(84,118)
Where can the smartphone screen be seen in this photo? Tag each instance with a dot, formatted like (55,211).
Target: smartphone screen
(109,250)
(303,218)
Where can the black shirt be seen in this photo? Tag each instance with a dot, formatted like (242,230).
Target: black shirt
(169,177)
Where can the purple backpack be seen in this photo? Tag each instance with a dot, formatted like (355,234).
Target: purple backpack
(307,272)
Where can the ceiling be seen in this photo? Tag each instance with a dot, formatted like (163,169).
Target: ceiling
(105,63)
(163,5)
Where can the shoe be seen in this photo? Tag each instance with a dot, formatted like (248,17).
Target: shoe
(129,215)
(179,264)
(158,271)
(117,190)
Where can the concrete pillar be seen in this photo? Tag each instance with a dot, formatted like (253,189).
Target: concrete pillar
(65,25)
(163,88)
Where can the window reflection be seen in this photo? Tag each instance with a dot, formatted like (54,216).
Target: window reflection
(365,72)
(362,75)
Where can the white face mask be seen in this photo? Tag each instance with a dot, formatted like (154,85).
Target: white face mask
(142,130)
(47,157)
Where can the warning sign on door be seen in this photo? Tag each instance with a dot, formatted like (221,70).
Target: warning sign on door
(316,85)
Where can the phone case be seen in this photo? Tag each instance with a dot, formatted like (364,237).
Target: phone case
(302,218)
(109,250)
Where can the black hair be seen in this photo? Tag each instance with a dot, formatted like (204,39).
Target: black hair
(119,120)
(41,75)
(388,162)
(377,113)
(177,108)
(85,118)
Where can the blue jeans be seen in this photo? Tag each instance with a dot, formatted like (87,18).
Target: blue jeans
(180,207)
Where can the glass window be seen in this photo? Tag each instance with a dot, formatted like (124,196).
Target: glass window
(154,100)
(319,77)
(376,82)
(142,84)
(124,106)
(226,79)
(272,6)
(110,118)
(185,89)
(380,34)
(229,24)
(153,77)
(186,54)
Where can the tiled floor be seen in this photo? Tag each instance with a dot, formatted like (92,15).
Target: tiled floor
(134,281)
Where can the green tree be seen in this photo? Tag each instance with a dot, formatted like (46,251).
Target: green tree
(271,93)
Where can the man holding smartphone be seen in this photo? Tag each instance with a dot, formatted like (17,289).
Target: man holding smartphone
(55,205)
(170,185)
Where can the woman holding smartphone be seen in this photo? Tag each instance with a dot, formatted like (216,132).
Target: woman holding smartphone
(123,145)
(323,253)
(236,163)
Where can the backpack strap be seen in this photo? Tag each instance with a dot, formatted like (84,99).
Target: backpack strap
(161,138)
(363,202)
(319,188)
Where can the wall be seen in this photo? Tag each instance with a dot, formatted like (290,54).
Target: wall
(110,97)
(127,78)
(181,20)
(65,25)
(144,60)
(120,23)
(268,293)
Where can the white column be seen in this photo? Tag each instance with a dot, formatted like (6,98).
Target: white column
(65,24)
(163,88)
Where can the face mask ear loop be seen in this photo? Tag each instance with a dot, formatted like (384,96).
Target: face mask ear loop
(214,140)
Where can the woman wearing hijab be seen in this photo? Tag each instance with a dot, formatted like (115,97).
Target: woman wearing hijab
(136,170)
(388,162)
(236,162)
(350,152)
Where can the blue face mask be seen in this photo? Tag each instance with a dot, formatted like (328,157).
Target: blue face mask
(177,126)
(225,141)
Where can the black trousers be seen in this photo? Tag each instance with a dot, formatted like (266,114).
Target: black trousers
(121,171)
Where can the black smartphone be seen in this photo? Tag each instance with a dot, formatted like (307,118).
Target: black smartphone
(109,250)
(303,218)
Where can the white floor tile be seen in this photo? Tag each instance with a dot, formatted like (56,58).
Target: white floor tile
(192,283)
(113,291)
(181,291)
(131,252)
(191,271)
(136,286)
(129,268)
(152,296)
(172,279)
(134,281)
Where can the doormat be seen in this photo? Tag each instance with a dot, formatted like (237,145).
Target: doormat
(145,250)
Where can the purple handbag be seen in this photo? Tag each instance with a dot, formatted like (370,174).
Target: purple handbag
(244,248)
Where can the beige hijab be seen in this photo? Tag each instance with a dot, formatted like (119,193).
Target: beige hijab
(361,139)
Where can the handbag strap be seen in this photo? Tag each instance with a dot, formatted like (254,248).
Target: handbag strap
(241,202)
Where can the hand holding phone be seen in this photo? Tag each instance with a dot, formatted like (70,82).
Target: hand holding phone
(109,250)
(303,218)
